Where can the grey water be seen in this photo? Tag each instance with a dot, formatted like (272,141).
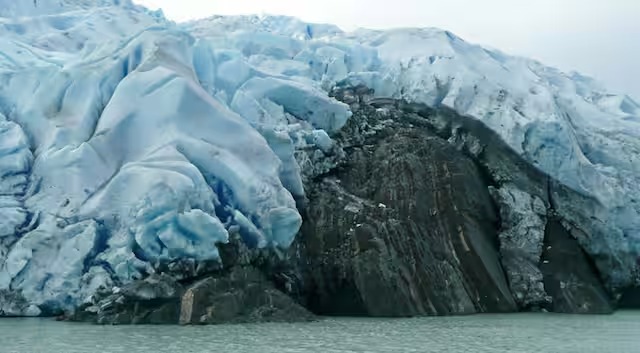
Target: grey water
(514,333)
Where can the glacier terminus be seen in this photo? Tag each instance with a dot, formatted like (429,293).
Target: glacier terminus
(129,142)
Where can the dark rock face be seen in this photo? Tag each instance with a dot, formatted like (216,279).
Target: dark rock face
(244,295)
(405,227)
(569,276)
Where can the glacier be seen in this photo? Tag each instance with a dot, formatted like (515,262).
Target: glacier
(129,141)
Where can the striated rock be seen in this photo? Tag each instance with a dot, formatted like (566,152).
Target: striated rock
(404,227)
(406,224)
(243,296)
(569,275)
(582,215)
(523,228)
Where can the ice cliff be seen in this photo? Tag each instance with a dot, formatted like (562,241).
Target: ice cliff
(128,141)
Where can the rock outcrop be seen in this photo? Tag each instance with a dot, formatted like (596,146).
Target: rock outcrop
(245,295)
(405,227)
(154,300)
(431,213)
(198,293)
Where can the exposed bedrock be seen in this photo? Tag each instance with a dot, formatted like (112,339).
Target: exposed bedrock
(431,213)
(405,229)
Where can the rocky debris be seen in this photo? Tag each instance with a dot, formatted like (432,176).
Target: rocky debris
(187,269)
(282,267)
(153,300)
(239,293)
(13,304)
(524,218)
(244,295)
(569,275)
(314,161)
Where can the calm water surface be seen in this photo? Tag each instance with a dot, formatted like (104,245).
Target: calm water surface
(513,333)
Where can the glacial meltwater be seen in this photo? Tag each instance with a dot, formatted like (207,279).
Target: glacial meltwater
(514,333)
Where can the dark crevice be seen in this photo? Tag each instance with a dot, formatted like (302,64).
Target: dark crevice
(99,246)
(550,198)
(128,65)
(31,222)
(59,102)
(630,299)
(138,252)
(100,187)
